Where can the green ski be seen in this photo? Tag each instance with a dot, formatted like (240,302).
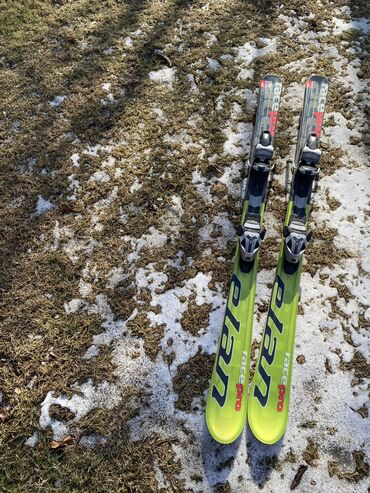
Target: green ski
(227,398)
(270,391)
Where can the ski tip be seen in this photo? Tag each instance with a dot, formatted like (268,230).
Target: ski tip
(222,432)
(268,439)
(265,432)
(225,423)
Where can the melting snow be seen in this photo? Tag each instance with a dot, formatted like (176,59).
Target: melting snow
(91,441)
(89,397)
(33,440)
(341,26)
(101,176)
(43,206)
(213,64)
(115,276)
(57,101)
(248,52)
(165,76)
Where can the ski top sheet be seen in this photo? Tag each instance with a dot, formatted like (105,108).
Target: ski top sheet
(270,391)
(227,397)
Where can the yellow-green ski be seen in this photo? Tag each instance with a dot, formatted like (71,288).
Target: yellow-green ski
(270,391)
(227,398)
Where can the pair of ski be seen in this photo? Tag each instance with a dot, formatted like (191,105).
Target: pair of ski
(268,400)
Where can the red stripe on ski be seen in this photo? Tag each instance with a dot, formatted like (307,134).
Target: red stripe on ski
(273,122)
(319,116)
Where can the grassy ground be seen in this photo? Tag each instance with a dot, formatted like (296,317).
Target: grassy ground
(71,49)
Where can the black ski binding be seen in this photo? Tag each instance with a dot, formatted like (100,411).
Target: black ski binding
(264,150)
(296,240)
(311,153)
(251,236)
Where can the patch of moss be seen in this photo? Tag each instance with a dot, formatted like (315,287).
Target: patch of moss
(343,291)
(332,202)
(322,252)
(309,424)
(360,472)
(196,318)
(60,413)
(152,336)
(359,365)
(290,457)
(192,379)
(269,253)
(311,453)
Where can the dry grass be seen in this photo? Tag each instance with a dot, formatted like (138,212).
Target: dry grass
(322,252)
(192,380)
(361,468)
(311,454)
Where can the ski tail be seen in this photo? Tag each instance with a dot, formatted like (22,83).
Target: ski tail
(269,397)
(306,170)
(266,119)
(227,397)
(252,231)
(309,135)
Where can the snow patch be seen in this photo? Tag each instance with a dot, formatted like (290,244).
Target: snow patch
(33,440)
(165,76)
(340,25)
(213,64)
(115,276)
(150,240)
(135,186)
(57,101)
(43,206)
(75,160)
(103,395)
(91,441)
(248,52)
(100,176)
